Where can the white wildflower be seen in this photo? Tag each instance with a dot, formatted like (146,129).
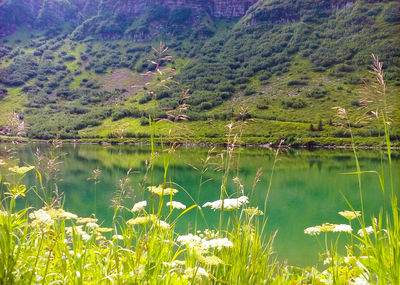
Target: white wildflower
(360,280)
(41,218)
(342,228)
(217,243)
(163,225)
(139,206)
(92,225)
(190,240)
(176,205)
(120,237)
(85,236)
(86,220)
(369,230)
(67,216)
(328,260)
(195,272)
(172,264)
(227,204)
(312,231)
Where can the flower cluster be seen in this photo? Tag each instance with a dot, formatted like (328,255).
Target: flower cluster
(79,231)
(176,205)
(253,211)
(21,170)
(342,228)
(190,240)
(312,231)
(86,220)
(197,273)
(139,206)
(41,218)
(227,204)
(369,230)
(161,190)
(350,215)
(328,227)
(61,214)
(217,243)
(194,241)
(147,219)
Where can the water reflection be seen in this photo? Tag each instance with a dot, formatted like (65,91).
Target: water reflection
(308,188)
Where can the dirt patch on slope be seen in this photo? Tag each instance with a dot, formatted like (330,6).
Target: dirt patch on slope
(126,80)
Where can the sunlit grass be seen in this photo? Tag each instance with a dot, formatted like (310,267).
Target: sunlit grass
(14,101)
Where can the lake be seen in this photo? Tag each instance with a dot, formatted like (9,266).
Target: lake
(308,187)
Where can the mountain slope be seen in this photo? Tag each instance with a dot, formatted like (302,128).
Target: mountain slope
(284,64)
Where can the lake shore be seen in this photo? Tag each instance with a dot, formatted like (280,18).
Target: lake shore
(321,143)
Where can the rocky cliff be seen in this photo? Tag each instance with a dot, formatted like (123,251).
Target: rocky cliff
(42,13)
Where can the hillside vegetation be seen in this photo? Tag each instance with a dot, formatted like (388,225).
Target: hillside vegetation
(282,68)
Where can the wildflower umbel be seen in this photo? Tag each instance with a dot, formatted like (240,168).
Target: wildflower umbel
(350,215)
(162,191)
(41,218)
(139,206)
(227,204)
(312,231)
(21,170)
(369,230)
(141,220)
(60,214)
(86,220)
(176,205)
(194,241)
(217,243)
(326,227)
(198,272)
(342,228)
(253,211)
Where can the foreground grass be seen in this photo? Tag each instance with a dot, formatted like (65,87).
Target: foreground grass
(51,246)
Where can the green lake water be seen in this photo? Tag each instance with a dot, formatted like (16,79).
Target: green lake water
(308,187)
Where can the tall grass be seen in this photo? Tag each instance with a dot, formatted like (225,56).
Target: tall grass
(52,246)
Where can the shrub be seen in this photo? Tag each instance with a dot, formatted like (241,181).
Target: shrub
(143,122)
(249,91)
(317,93)
(392,13)
(295,103)
(3,93)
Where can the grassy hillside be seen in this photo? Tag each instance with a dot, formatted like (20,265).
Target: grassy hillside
(281,68)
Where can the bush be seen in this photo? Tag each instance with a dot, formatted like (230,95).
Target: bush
(3,93)
(392,13)
(317,93)
(144,122)
(295,103)
(249,91)
(21,70)
(205,106)
(297,83)
(120,113)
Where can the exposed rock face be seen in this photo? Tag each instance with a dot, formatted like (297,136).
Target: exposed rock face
(231,8)
(49,12)
(286,11)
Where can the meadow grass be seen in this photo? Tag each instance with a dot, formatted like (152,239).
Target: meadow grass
(52,246)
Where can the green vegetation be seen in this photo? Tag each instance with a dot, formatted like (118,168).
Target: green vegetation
(49,245)
(287,63)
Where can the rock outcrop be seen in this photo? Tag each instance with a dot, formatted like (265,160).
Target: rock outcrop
(39,13)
